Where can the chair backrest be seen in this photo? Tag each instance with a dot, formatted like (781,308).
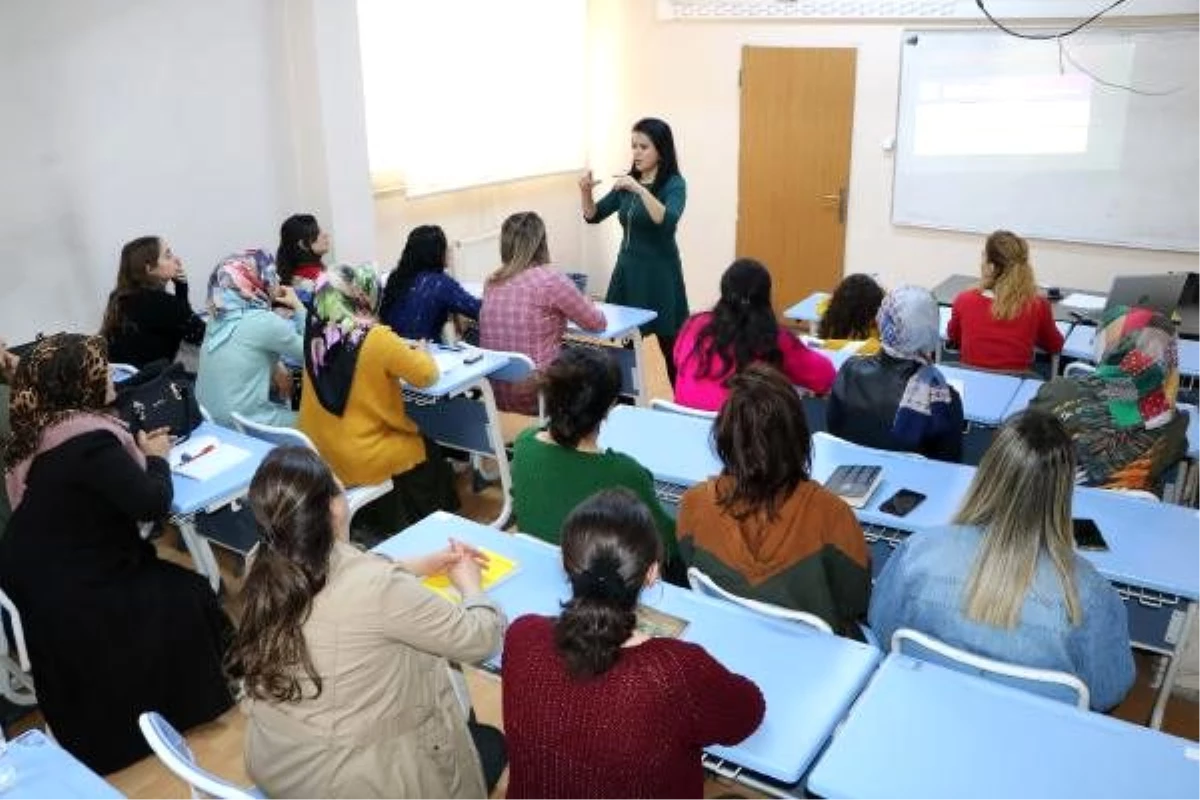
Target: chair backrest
(658,404)
(171,748)
(276,435)
(1052,683)
(520,367)
(702,583)
(1078,368)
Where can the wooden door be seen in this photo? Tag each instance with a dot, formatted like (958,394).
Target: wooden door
(797,115)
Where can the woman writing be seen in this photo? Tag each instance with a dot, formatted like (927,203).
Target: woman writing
(648,201)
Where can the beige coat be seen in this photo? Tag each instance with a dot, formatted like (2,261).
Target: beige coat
(387,722)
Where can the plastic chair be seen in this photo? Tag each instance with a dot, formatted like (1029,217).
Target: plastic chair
(121,372)
(17,686)
(658,404)
(700,582)
(356,496)
(1059,684)
(172,749)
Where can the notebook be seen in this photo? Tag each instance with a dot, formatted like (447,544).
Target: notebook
(659,624)
(855,483)
(203,457)
(498,569)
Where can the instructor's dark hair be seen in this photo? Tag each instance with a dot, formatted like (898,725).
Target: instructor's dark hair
(659,134)
(609,544)
(581,385)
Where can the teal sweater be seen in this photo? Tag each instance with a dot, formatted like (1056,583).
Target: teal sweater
(550,480)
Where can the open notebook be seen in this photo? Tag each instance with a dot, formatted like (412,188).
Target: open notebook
(202,457)
(498,569)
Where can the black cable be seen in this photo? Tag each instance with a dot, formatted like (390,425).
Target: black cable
(1048,36)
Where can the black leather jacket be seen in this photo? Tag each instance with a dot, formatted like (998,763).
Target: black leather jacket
(863,405)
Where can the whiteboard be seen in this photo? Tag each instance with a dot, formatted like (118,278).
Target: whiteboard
(1000,132)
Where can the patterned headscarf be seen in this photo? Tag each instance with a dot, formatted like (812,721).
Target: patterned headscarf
(59,392)
(344,308)
(908,329)
(1137,372)
(239,283)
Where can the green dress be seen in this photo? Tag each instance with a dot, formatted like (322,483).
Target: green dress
(649,273)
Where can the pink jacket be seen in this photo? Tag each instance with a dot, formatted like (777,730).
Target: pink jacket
(804,367)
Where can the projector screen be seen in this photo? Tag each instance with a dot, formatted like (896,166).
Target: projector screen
(999,132)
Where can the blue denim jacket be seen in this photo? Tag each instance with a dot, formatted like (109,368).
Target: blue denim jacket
(923,586)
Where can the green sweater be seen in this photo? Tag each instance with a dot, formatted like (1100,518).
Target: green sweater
(550,480)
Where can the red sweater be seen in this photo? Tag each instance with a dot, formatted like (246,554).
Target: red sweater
(635,731)
(1004,344)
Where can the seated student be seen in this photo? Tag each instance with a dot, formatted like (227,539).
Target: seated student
(997,325)
(302,245)
(143,322)
(898,399)
(1003,580)
(593,708)
(352,406)
(420,296)
(245,340)
(848,315)
(716,345)
(112,630)
(556,468)
(343,654)
(763,528)
(527,305)
(1122,417)
(8,368)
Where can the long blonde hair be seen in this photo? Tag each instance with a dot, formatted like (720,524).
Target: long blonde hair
(1021,498)
(1011,277)
(522,245)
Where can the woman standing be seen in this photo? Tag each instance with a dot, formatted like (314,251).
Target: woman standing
(649,201)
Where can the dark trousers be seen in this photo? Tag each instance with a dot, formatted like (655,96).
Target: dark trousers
(667,345)
(427,487)
(493,755)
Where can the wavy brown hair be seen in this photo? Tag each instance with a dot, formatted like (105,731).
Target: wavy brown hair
(138,257)
(290,496)
(609,544)
(1012,278)
(761,436)
(522,245)
(581,385)
(852,309)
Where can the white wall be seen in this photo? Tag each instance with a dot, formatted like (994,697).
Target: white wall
(127,117)
(686,72)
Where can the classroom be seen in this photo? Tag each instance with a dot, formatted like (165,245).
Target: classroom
(351,448)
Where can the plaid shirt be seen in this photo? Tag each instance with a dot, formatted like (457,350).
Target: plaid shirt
(528,314)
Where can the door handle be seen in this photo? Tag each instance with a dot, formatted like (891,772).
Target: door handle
(840,199)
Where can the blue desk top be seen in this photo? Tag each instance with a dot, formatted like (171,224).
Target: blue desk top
(809,682)
(44,769)
(986,394)
(1025,393)
(674,447)
(1080,344)
(459,375)
(806,309)
(192,495)
(619,321)
(920,730)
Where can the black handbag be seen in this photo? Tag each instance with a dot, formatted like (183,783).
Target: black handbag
(160,395)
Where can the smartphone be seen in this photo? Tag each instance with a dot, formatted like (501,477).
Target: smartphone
(474,357)
(902,502)
(1087,535)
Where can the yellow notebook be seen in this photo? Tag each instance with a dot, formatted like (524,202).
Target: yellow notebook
(498,569)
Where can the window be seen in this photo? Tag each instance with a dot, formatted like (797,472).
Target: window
(463,93)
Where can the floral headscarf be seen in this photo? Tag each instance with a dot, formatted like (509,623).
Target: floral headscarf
(239,283)
(908,329)
(344,308)
(1137,372)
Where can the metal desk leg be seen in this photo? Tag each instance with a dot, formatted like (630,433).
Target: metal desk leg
(199,549)
(496,440)
(639,368)
(1164,691)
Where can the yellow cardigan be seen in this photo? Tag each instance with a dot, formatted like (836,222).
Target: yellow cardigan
(374,439)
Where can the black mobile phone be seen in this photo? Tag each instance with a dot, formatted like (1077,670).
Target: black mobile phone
(902,502)
(1087,535)
(474,357)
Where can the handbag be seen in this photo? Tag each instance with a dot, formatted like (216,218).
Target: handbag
(160,395)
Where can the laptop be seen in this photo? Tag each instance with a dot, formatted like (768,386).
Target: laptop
(1161,293)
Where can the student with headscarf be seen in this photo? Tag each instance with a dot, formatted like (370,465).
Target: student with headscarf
(352,406)
(897,399)
(112,630)
(1122,418)
(245,340)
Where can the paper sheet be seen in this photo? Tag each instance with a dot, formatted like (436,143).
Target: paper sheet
(202,457)
(447,361)
(1089,302)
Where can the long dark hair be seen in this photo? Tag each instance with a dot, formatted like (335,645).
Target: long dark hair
(852,309)
(581,385)
(296,237)
(609,544)
(424,251)
(761,436)
(290,496)
(659,134)
(138,257)
(742,328)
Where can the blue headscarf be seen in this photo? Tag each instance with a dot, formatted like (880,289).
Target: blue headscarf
(908,329)
(240,283)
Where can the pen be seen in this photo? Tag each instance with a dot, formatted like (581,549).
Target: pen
(187,458)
